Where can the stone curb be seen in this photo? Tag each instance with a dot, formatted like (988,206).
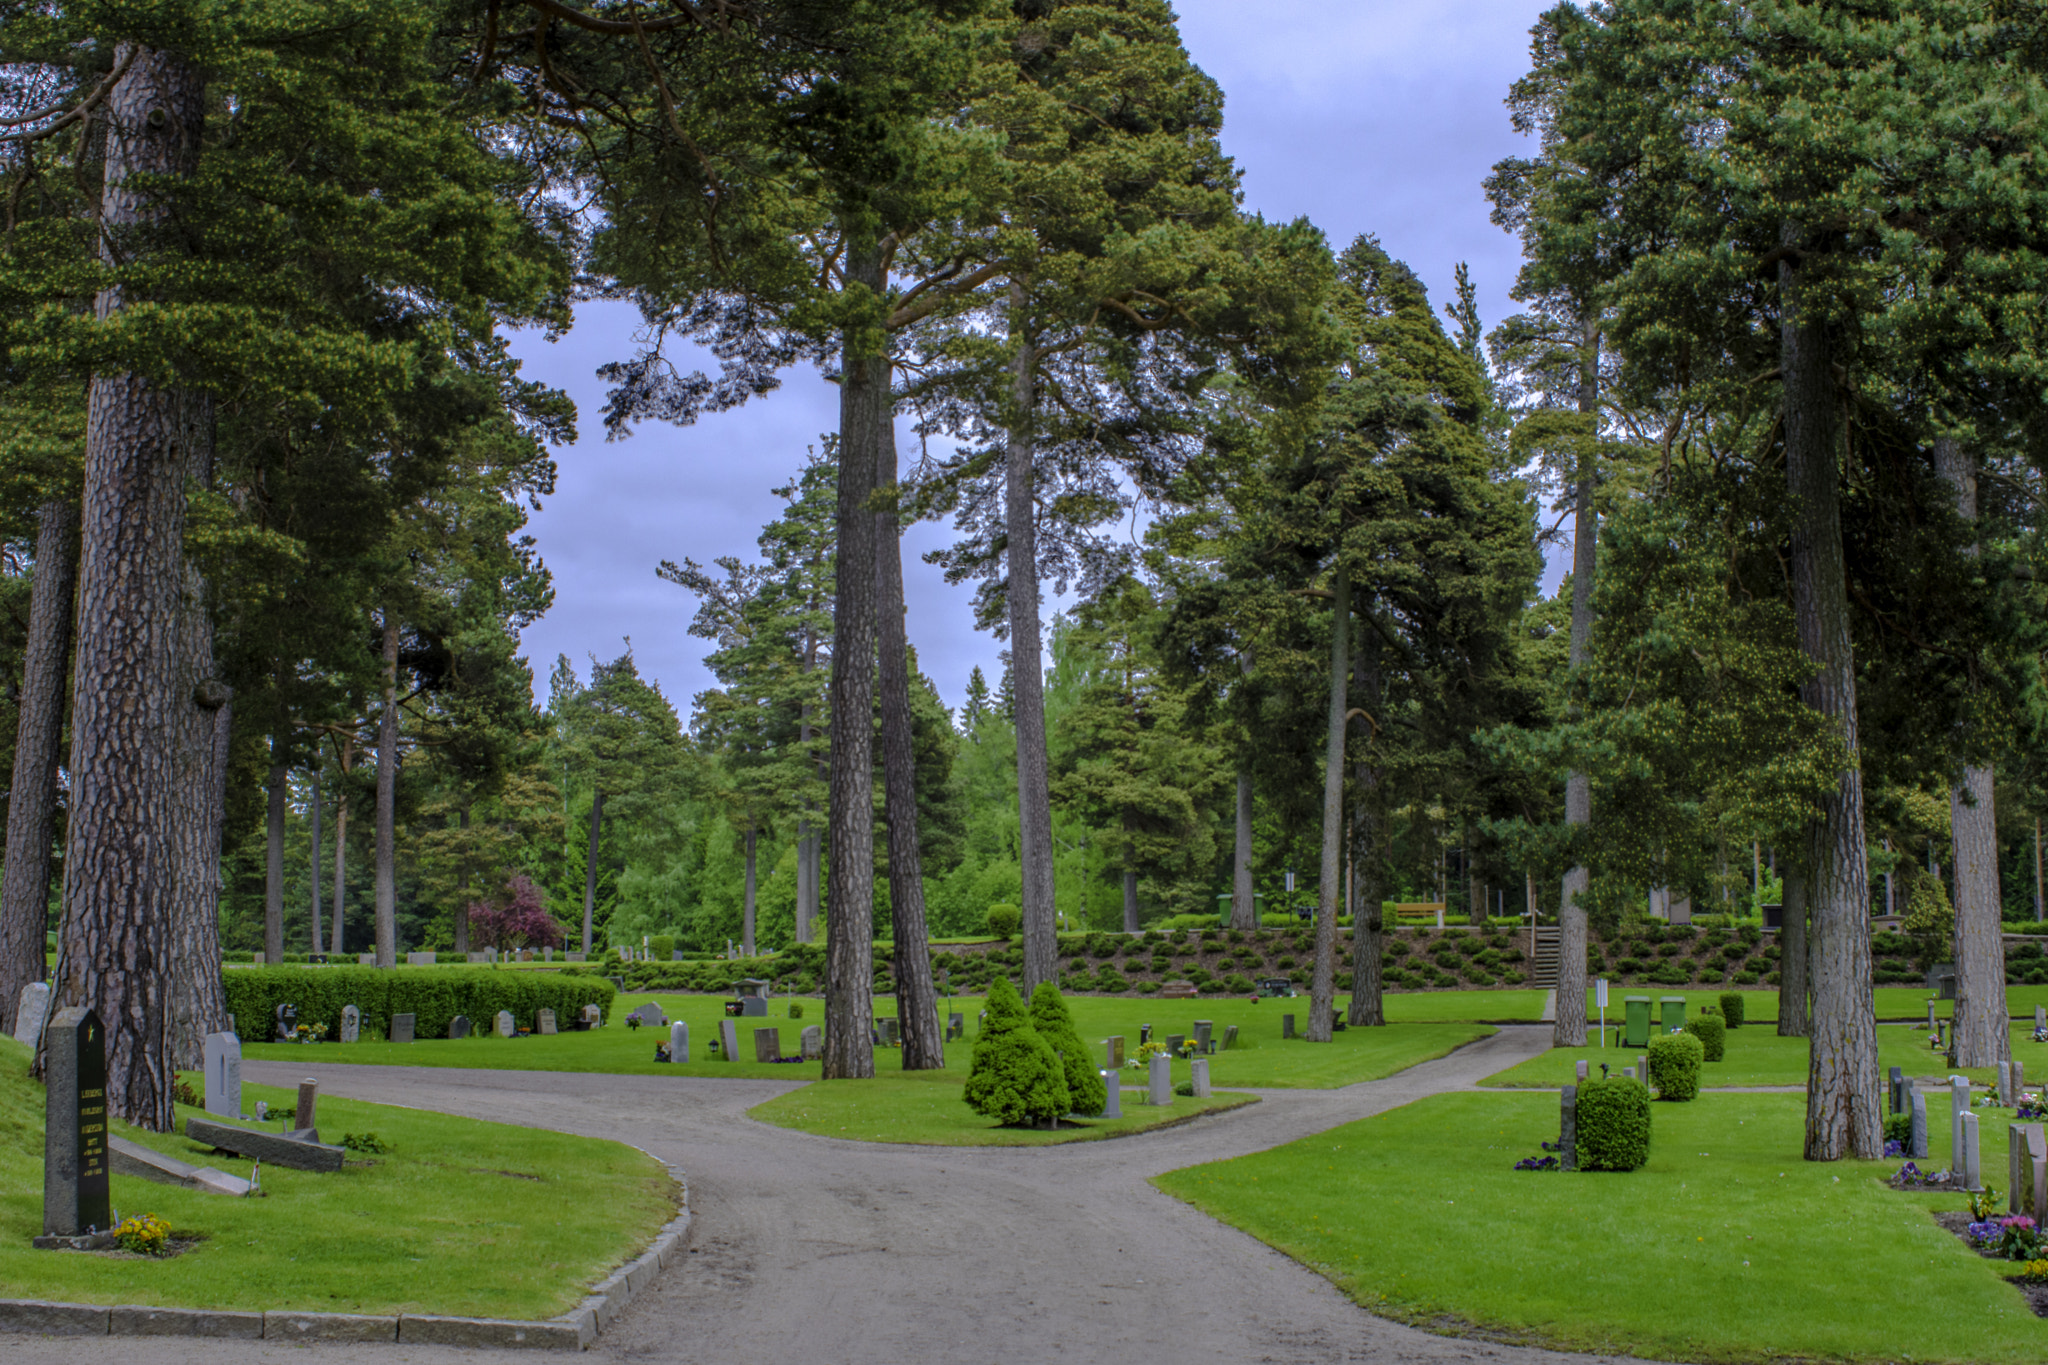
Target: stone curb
(574,1330)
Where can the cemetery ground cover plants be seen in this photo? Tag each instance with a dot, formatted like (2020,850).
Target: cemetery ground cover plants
(457,1216)
(1407,1212)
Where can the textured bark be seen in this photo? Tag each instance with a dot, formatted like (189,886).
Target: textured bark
(1323,980)
(273,856)
(1130,881)
(38,749)
(747,905)
(1034,793)
(917,1002)
(1244,903)
(590,867)
(1569,1030)
(345,760)
(850,806)
(1843,1117)
(462,885)
(1983,1032)
(386,873)
(1795,1002)
(114,953)
(806,878)
(199,784)
(313,858)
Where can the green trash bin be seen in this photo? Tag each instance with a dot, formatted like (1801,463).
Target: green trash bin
(1671,1013)
(1636,1031)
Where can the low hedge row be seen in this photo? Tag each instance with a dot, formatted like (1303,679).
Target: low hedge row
(434,998)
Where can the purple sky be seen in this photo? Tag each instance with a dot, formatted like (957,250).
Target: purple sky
(1362,115)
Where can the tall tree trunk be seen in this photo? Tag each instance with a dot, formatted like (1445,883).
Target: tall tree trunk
(1795,1001)
(1130,887)
(806,853)
(1323,982)
(1244,899)
(462,884)
(1983,1029)
(1569,1030)
(345,761)
(590,868)
(200,718)
(1842,1112)
(1368,858)
(917,1001)
(850,811)
(38,748)
(313,860)
(114,955)
(1020,509)
(747,912)
(273,854)
(387,802)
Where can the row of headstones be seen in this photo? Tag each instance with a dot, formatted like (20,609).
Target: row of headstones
(429,959)
(767,1042)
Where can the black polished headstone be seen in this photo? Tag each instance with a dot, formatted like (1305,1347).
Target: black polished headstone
(401,1027)
(75,1126)
(458,1027)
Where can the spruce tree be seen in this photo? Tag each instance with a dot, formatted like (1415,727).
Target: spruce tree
(1014,1077)
(1055,1024)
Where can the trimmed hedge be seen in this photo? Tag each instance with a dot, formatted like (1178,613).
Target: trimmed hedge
(1675,1065)
(253,995)
(1731,1008)
(1613,1125)
(1712,1031)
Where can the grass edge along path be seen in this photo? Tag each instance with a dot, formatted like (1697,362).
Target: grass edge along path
(1725,1247)
(461,1217)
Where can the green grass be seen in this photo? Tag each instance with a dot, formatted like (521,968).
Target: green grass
(1726,1246)
(925,1107)
(1260,1057)
(462,1216)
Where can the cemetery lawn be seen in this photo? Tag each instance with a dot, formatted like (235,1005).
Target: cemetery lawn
(1259,1059)
(461,1216)
(1726,1246)
(926,1108)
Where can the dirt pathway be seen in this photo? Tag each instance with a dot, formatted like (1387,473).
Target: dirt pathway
(808,1249)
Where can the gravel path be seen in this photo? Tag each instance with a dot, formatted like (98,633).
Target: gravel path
(808,1249)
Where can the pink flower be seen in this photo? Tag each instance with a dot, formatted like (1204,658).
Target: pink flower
(2021,1222)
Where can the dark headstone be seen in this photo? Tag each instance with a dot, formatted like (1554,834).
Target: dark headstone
(1916,1144)
(767,1044)
(287,1020)
(1898,1090)
(1286,1026)
(401,1028)
(458,1027)
(75,1165)
(309,1101)
(1568,1129)
(275,1149)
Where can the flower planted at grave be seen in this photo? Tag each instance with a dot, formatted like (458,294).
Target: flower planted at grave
(145,1234)
(1014,1077)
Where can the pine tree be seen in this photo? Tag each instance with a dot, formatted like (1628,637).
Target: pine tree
(1014,1077)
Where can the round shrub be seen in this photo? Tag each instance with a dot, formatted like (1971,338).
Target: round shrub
(1014,1077)
(1049,1015)
(1613,1120)
(1004,920)
(1110,981)
(1675,1065)
(1731,1008)
(1712,1032)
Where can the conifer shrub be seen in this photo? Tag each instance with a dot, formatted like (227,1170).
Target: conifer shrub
(1004,920)
(1613,1125)
(1014,1078)
(1731,1008)
(1712,1031)
(1055,1024)
(1675,1065)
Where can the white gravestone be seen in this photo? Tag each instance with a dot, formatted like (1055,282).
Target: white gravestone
(223,1054)
(544,1022)
(2005,1084)
(1958,1105)
(351,1023)
(679,1041)
(1582,1070)
(1113,1096)
(812,1041)
(1198,1069)
(507,1025)
(1159,1089)
(729,1040)
(30,1012)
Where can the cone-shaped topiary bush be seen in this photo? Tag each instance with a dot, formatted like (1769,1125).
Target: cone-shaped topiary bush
(1675,1065)
(1712,1031)
(1014,1077)
(1613,1123)
(1054,1024)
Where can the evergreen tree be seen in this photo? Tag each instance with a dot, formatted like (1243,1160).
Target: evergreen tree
(1055,1024)
(1014,1077)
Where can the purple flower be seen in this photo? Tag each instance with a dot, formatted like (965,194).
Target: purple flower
(1894,1147)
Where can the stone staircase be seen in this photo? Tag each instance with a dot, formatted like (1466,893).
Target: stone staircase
(1543,961)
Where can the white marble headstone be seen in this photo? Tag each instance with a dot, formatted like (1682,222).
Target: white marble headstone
(30,1011)
(351,1023)
(1113,1096)
(679,1041)
(507,1025)
(223,1055)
